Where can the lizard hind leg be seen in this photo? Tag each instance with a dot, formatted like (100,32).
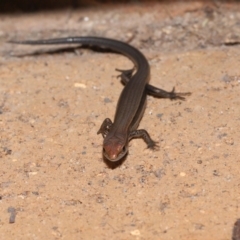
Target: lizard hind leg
(125,75)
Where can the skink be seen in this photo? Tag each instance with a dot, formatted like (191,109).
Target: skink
(131,103)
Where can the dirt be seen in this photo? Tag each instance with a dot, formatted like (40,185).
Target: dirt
(54,182)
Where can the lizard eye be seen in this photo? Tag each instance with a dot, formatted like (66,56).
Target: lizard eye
(124,148)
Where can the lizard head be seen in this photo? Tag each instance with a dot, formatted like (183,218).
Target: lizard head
(114,148)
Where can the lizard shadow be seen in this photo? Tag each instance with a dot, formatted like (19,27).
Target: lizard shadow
(60,50)
(113,165)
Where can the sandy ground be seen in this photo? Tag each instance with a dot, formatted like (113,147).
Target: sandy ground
(54,182)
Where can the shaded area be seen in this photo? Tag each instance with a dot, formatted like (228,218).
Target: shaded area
(35,5)
(38,5)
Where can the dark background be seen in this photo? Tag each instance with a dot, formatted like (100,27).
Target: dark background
(37,5)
